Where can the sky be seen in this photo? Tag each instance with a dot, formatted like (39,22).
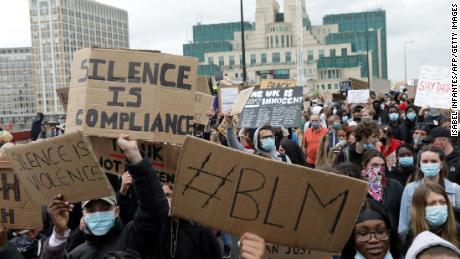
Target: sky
(166,25)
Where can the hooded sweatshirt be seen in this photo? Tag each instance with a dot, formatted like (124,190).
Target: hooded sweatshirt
(426,240)
(233,142)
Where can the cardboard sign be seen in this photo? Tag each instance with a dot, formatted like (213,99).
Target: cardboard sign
(241,101)
(203,104)
(150,95)
(227,98)
(290,205)
(434,88)
(202,85)
(164,157)
(276,83)
(358,96)
(60,165)
(63,94)
(339,97)
(17,211)
(277,107)
(288,252)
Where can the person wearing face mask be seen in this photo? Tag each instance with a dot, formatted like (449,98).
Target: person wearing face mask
(388,143)
(421,131)
(405,165)
(408,124)
(377,106)
(356,114)
(441,138)
(103,230)
(312,139)
(394,121)
(432,211)
(366,135)
(334,126)
(373,235)
(28,242)
(431,168)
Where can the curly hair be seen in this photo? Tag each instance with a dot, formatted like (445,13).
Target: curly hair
(366,129)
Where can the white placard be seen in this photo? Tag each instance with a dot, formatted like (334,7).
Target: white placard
(228,97)
(434,88)
(358,96)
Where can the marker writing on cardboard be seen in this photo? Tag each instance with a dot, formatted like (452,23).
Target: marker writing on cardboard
(7,187)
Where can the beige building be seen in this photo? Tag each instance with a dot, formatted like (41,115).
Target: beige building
(16,98)
(59,28)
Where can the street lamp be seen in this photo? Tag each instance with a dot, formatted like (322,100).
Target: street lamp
(405,60)
(243,45)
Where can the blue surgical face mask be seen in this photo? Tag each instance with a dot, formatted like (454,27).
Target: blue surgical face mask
(337,125)
(368,146)
(407,161)
(344,118)
(315,125)
(430,169)
(99,223)
(435,216)
(418,140)
(394,116)
(411,116)
(268,144)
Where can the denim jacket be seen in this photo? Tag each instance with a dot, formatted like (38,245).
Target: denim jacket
(453,192)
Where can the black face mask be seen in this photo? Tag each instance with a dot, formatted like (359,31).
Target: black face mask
(376,107)
(383,140)
(357,120)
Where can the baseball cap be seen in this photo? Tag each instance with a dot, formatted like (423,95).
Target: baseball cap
(112,200)
(438,132)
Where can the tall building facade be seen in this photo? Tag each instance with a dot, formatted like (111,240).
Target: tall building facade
(332,52)
(16,98)
(59,28)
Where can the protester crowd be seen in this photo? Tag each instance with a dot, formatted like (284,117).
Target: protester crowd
(404,152)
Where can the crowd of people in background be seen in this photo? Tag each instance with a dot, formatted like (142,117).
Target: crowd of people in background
(404,152)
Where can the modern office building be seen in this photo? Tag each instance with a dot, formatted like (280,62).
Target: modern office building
(59,28)
(331,52)
(16,98)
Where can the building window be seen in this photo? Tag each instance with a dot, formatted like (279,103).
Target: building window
(276,58)
(287,41)
(263,58)
(253,59)
(336,86)
(221,61)
(344,52)
(271,41)
(268,45)
(288,57)
(210,60)
(332,52)
(310,55)
(282,41)
(277,41)
(321,53)
(231,61)
(329,86)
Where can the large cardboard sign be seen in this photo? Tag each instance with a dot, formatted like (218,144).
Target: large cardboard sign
(288,252)
(277,83)
(164,157)
(227,98)
(17,211)
(434,88)
(203,104)
(358,96)
(241,101)
(61,165)
(277,107)
(203,85)
(286,204)
(151,95)
(63,94)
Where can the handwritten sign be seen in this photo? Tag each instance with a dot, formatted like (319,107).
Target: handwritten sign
(64,164)
(17,211)
(277,83)
(203,103)
(228,96)
(63,94)
(286,204)
(164,157)
(277,107)
(150,95)
(434,88)
(288,252)
(203,85)
(358,96)
(241,101)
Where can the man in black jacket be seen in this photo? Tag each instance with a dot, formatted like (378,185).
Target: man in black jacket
(104,232)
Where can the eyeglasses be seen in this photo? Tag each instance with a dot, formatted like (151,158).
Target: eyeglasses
(380,235)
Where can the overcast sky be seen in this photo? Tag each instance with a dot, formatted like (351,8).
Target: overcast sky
(166,25)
